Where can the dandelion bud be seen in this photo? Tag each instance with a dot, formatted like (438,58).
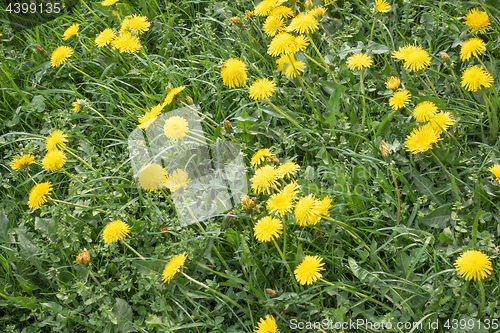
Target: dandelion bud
(248,14)
(189,100)
(392,83)
(384,149)
(308,4)
(83,257)
(444,56)
(235,20)
(230,216)
(78,105)
(247,203)
(163,231)
(274,159)
(227,125)
(38,48)
(270,292)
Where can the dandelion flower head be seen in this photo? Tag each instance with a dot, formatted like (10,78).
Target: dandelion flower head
(105,37)
(280,203)
(403,52)
(476,20)
(267,228)
(474,78)
(177,180)
(303,23)
(71,31)
(421,139)
(18,163)
(308,271)
(262,89)
(495,169)
(291,189)
(266,325)
(56,140)
(282,43)
(60,55)
(442,121)
(473,265)
(381,6)
(318,11)
(417,59)
(392,83)
(233,72)
(38,195)
(108,2)
(260,156)
(399,99)
(151,177)
(172,93)
(290,69)
(424,111)
(173,267)
(53,160)
(288,169)
(359,61)
(137,23)
(83,257)
(126,42)
(149,117)
(264,7)
(281,11)
(307,210)
(265,178)
(115,231)
(175,128)
(272,25)
(472,47)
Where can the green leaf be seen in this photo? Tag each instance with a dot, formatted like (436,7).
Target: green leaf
(4,227)
(426,187)
(438,218)
(123,313)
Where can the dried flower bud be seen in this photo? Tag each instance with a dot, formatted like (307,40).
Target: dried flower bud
(247,203)
(235,20)
(163,231)
(248,14)
(38,48)
(227,125)
(230,216)
(270,292)
(444,56)
(83,257)
(274,159)
(384,149)
(308,4)
(318,233)
(189,100)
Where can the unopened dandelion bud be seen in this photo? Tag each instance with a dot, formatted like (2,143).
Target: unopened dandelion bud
(83,257)
(230,216)
(235,20)
(247,203)
(38,48)
(308,4)
(248,14)
(384,149)
(163,231)
(274,159)
(227,125)
(444,56)
(270,292)
(189,100)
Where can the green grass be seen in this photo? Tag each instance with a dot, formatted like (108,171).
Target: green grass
(396,224)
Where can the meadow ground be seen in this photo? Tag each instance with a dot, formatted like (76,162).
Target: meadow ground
(238,166)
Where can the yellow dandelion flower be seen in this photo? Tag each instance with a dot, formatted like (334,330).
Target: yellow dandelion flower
(381,6)
(384,149)
(301,43)
(151,177)
(149,117)
(56,140)
(78,105)
(474,78)
(359,61)
(261,89)
(265,178)
(264,7)
(260,156)
(175,128)
(247,203)
(495,169)
(442,121)
(399,99)
(108,2)
(324,206)
(60,55)
(282,11)
(403,52)
(137,23)
(291,189)
(173,267)
(280,203)
(473,265)
(18,163)
(288,169)
(233,72)
(266,325)
(115,231)
(303,23)
(392,83)
(53,160)
(424,111)
(291,69)
(327,2)
(417,59)
(177,180)
(71,31)
(421,139)
(472,47)
(38,195)
(282,43)
(248,14)
(83,257)
(477,20)
(172,93)
(126,43)
(318,11)
(308,271)
(267,228)
(272,25)
(105,37)
(307,210)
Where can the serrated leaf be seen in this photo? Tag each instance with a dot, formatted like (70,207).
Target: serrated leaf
(426,187)
(438,218)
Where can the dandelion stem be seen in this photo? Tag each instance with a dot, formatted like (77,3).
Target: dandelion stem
(397,194)
(314,61)
(80,159)
(322,59)
(430,82)
(425,84)
(71,176)
(363,102)
(106,120)
(82,72)
(93,277)
(213,291)
(483,298)
(493,120)
(457,306)
(76,205)
(132,249)
(295,285)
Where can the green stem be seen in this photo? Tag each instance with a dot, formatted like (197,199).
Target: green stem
(430,82)
(109,123)
(474,228)
(322,59)
(314,61)
(425,84)
(483,298)
(76,205)
(363,102)
(295,285)
(456,80)
(80,159)
(94,278)
(397,194)
(213,291)
(373,27)
(82,72)
(492,119)
(71,176)
(132,249)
